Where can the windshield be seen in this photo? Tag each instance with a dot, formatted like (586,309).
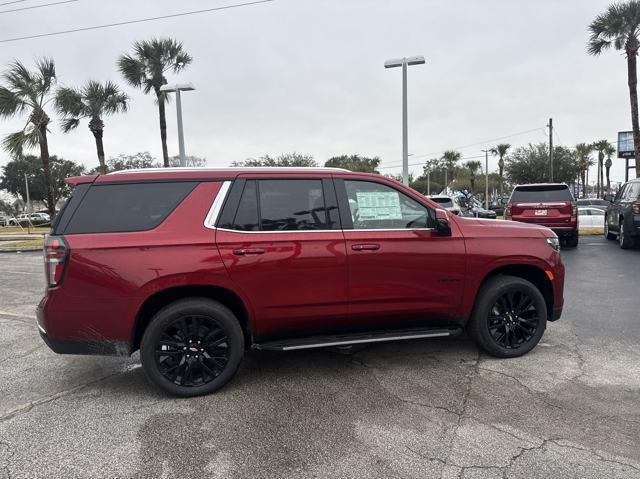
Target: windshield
(541,194)
(446,202)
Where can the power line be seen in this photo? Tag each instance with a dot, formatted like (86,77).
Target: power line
(475,144)
(37,6)
(117,24)
(14,1)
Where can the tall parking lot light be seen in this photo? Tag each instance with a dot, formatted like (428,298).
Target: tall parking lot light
(177,88)
(404,62)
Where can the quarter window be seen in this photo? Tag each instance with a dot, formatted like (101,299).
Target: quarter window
(377,206)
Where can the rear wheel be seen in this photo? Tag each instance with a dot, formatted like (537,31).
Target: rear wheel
(192,347)
(625,241)
(509,318)
(572,241)
(608,234)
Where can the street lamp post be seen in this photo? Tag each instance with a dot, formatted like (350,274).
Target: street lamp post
(177,88)
(404,62)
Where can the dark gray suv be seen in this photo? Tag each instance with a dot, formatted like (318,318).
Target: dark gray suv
(622,218)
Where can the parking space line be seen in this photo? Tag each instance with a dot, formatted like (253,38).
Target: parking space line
(25,317)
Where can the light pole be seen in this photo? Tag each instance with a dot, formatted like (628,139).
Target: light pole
(177,88)
(486,179)
(404,62)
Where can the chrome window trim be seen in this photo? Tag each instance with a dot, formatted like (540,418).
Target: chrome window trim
(324,231)
(216,206)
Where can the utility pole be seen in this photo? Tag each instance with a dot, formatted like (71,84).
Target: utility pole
(486,179)
(429,182)
(550,125)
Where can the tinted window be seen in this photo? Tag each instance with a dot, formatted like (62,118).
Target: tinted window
(246,217)
(541,194)
(632,192)
(600,202)
(378,206)
(584,203)
(292,205)
(127,207)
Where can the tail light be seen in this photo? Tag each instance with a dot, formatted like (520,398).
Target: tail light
(574,209)
(636,208)
(56,253)
(507,212)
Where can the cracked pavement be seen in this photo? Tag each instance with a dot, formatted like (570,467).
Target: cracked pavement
(417,409)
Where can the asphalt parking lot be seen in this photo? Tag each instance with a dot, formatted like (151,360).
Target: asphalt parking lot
(419,409)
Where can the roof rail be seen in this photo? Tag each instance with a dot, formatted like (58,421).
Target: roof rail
(230,168)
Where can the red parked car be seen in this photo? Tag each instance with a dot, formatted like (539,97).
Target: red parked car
(547,204)
(194,266)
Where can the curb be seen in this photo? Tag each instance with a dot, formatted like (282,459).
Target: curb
(20,250)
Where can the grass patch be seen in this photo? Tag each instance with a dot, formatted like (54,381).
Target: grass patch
(19,245)
(16,230)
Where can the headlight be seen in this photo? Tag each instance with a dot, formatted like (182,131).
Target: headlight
(554,243)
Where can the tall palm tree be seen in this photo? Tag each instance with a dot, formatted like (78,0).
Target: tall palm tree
(450,158)
(146,68)
(609,151)
(619,27)
(94,100)
(501,151)
(28,92)
(600,147)
(583,150)
(473,166)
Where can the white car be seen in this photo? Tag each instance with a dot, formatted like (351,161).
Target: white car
(590,218)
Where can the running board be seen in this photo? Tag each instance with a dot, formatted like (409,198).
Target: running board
(359,338)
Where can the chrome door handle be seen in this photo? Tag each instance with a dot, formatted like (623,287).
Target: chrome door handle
(365,247)
(248,251)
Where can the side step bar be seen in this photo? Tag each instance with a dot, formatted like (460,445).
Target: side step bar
(359,338)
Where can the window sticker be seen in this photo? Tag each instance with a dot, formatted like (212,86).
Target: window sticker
(378,205)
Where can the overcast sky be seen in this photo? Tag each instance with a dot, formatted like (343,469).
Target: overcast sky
(307,75)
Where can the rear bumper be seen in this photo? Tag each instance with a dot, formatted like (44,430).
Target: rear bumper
(92,347)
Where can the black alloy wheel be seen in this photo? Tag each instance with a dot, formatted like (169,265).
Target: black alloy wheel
(513,319)
(192,351)
(192,346)
(509,317)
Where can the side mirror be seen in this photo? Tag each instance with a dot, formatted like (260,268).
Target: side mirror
(442,223)
(608,197)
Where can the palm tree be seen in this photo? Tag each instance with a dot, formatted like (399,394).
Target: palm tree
(609,151)
(473,167)
(449,158)
(583,150)
(600,147)
(146,68)
(94,100)
(28,92)
(501,151)
(619,28)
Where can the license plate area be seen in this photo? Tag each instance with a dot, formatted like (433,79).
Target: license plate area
(540,213)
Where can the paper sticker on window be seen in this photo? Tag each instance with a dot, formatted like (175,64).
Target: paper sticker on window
(378,205)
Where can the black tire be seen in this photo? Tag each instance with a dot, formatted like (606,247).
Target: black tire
(625,241)
(572,242)
(202,347)
(608,234)
(522,330)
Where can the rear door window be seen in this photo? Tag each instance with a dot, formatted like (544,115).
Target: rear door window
(246,217)
(114,208)
(541,194)
(290,205)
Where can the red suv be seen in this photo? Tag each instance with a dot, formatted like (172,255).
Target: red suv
(193,267)
(547,204)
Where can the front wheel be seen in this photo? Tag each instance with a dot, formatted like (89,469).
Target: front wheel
(192,347)
(509,318)
(608,234)
(625,241)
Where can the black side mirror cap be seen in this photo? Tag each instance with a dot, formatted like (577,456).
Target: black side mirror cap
(442,227)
